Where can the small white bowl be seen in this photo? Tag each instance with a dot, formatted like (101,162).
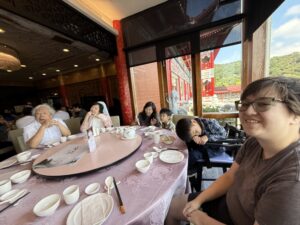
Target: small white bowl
(149,156)
(92,188)
(47,205)
(5,186)
(143,165)
(23,156)
(20,177)
(8,195)
(71,194)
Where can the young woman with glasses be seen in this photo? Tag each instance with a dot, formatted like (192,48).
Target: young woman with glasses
(263,185)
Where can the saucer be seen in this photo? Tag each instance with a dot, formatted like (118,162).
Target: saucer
(124,138)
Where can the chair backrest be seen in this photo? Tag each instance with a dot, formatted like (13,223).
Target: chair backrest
(177,117)
(115,121)
(22,143)
(73,125)
(13,137)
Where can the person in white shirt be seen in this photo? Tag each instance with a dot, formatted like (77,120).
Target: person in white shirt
(95,118)
(26,119)
(60,113)
(44,130)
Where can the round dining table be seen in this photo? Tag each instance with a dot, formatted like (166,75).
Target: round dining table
(146,196)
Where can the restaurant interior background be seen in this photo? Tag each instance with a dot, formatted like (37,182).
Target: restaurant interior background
(72,51)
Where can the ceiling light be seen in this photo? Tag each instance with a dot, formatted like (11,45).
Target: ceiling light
(9,71)
(57,71)
(44,74)
(9,58)
(97,59)
(30,78)
(23,65)
(75,65)
(66,50)
(2,31)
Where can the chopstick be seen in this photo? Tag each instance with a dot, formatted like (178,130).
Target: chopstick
(14,202)
(122,208)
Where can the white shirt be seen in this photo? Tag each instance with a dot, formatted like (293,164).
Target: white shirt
(52,134)
(24,121)
(63,115)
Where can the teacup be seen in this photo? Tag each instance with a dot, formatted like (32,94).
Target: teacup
(63,139)
(129,133)
(156,138)
(23,156)
(71,194)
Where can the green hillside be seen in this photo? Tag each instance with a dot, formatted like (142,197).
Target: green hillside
(287,65)
(229,73)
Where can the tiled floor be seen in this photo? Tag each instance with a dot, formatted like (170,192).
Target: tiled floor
(210,173)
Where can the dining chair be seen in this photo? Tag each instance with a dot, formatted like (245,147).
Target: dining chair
(13,137)
(233,142)
(73,124)
(115,121)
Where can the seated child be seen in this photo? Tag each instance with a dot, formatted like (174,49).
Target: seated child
(196,132)
(165,119)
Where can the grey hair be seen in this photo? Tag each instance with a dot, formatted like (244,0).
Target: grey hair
(50,109)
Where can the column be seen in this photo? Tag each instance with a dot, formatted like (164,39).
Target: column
(123,77)
(62,90)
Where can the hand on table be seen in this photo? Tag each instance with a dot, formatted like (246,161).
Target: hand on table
(153,121)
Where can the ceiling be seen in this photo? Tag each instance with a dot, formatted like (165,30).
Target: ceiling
(40,45)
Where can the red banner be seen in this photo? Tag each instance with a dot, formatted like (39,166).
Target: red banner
(207,73)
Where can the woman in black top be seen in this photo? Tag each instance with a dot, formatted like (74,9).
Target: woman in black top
(149,116)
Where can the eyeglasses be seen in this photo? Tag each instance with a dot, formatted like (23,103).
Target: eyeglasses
(259,105)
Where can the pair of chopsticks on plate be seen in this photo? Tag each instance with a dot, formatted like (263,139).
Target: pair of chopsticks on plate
(122,207)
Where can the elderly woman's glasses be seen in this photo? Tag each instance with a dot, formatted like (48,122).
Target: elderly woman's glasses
(259,105)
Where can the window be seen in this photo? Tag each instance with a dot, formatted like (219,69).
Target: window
(285,44)
(145,87)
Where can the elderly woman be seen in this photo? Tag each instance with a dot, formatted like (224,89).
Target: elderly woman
(263,185)
(95,118)
(44,130)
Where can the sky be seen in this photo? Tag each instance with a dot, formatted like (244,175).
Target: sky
(285,34)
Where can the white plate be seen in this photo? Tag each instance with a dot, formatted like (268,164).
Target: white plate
(7,163)
(94,209)
(171,156)
(124,138)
